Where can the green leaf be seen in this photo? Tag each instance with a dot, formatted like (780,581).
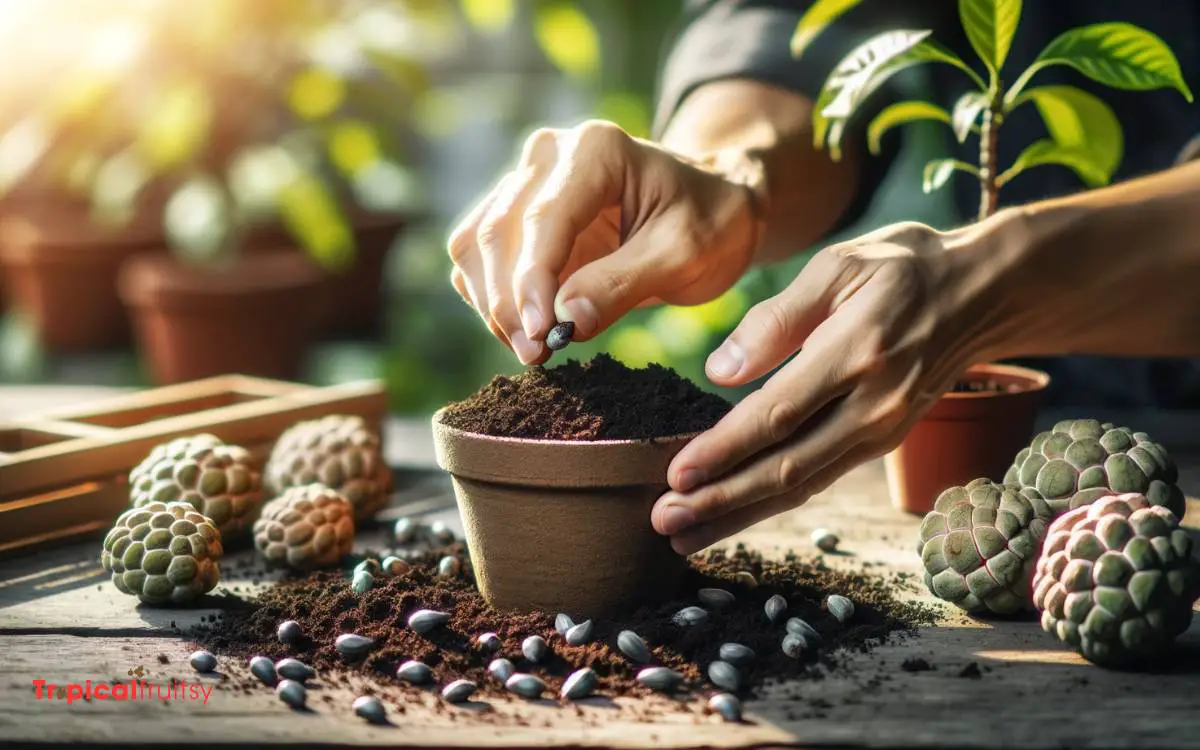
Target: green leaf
(1120,55)
(489,16)
(568,38)
(312,214)
(966,112)
(818,16)
(1046,151)
(901,113)
(938,171)
(990,26)
(1077,119)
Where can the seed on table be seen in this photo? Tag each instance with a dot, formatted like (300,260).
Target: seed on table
(294,669)
(560,335)
(441,532)
(840,607)
(394,566)
(501,669)
(724,675)
(727,706)
(489,642)
(370,708)
(737,654)
(746,579)
(203,661)
(351,645)
(580,684)
(414,672)
(448,567)
(717,599)
(632,645)
(535,648)
(825,540)
(579,634)
(458,691)
(264,669)
(799,627)
(659,678)
(794,645)
(292,693)
(425,620)
(563,623)
(370,565)
(690,616)
(289,631)
(775,608)
(525,685)
(363,582)
(405,530)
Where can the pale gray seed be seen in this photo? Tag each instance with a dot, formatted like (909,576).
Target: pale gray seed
(351,645)
(825,540)
(737,654)
(264,669)
(458,691)
(840,607)
(632,645)
(489,642)
(775,608)
(727,706)
(525,685)
(794,645)
(580,684)
(370,708)
(799,627)
(659,678)
(580,634)
(404,531)
(363,582)
(292,693)
(425,620)
(563,623)
(394,566)
(690,616)
(441,533)
(535,648)
(294,669)
(501,669)
(724,675)
(717,599)
(203,661)
(415,672)
(448,567)
(289,631)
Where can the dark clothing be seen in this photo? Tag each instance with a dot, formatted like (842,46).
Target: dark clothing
(721,39)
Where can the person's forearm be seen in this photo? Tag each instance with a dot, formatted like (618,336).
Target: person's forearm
(762,135)
(1114,271)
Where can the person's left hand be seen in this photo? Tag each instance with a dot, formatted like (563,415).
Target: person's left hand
(882,327)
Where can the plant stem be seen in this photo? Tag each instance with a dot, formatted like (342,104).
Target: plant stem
(989,132)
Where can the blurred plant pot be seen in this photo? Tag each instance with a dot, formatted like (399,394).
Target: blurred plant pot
(562,526)
(60,268)
(966,435)
(253,317)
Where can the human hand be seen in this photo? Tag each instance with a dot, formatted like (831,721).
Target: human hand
(883,326)
(591,224)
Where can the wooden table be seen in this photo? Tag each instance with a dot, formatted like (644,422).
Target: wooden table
(61,621)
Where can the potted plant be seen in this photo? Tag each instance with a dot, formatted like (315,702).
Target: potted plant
(273,131)
(976,429)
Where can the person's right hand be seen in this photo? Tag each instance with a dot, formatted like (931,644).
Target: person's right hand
(591,224)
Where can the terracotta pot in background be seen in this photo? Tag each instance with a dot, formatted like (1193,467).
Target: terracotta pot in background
(965,436)
(562,526)
(255,317)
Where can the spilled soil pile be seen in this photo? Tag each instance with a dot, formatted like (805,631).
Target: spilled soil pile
(601,399)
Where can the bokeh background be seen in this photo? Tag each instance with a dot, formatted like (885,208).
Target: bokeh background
(352,132)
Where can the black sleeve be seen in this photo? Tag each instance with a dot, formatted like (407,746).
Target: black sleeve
(722,39)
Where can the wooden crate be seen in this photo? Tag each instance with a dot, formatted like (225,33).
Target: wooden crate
(64,473)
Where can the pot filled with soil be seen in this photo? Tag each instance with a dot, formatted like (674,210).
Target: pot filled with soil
(556,471)
(973,431)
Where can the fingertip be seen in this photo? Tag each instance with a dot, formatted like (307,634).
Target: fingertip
(726,363)
(671,514)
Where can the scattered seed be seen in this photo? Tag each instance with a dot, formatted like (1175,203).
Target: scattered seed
(489,642)
(775,607)
(352,645)
(292,693)
(448,566)
(425,620)
(794,645)
(799,627)
(563,623)
(294,669)
(441,533)
(580,684)
(690,616)
(724,675)
(825,540)
(737,654)
(632,645)
(501,669)
(535,648)
(414,672)
(579,634)
(289,631)
(525,685)
(717,599)
(370,708)
(728,706)
(840,607)
(659,678)
(363,582)
(203,661)
(560,335)
(458,691)
(404,531)
(370,565)
(394,566)
(746,579)
(264,669)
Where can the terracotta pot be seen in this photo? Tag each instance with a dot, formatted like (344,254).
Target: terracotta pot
(562,526)
(965,436)
(60,270)
(253,318)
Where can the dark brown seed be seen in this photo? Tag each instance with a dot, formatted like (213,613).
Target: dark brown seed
(560,335)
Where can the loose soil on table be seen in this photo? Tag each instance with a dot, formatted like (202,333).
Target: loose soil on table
(601,399)
(326,607)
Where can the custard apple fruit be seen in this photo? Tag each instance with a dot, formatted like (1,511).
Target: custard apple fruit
(1116,580)
(305,528)
(1081,460)
(338,451)
(163,553)
(979,545)
(220,481)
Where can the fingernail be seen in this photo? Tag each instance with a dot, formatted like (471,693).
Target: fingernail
(674,519)
(531,319)
(688,479)
(526,350)
(582,313)
(727,360)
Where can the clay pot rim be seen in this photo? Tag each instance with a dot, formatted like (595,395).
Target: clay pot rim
(534,441)
(1031,380)
(161,279)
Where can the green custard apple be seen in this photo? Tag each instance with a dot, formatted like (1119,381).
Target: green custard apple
(163,553)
